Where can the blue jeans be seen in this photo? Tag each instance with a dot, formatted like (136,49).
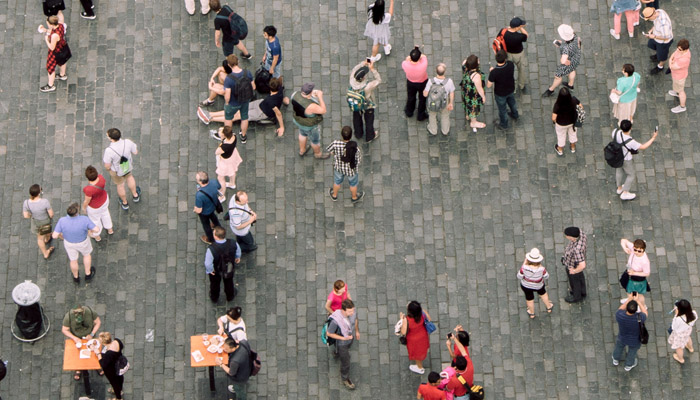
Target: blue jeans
(501,102)
(631,352)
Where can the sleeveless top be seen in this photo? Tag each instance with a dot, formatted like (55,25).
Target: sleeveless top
(300,104)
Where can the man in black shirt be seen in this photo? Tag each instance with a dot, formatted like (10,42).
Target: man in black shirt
(502,77)
(222,27)
(514,37)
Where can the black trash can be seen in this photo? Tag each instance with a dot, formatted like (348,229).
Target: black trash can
(30,323)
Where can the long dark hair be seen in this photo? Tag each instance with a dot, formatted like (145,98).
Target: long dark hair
(565,101)
(684,308)
(227,68)
(350,154)
(377,11)
(414,311)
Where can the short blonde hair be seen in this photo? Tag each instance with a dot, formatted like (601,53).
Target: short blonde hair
(105,337)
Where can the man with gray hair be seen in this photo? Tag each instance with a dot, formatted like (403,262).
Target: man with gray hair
(440,94)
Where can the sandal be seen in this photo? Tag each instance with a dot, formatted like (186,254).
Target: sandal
(532,315)
(549,309)
(51,249)
(76,376)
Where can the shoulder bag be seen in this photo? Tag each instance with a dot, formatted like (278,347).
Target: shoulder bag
(42,229)
(643,332)
(615,98)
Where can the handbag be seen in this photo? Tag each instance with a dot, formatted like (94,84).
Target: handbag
(41,229)
(64,55)
(397,331)
(580,116)
(429,325)
(643,332)
(624,279)
(615,98)
(122,365)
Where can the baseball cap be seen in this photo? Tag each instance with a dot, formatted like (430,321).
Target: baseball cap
(516,22)
(308,87)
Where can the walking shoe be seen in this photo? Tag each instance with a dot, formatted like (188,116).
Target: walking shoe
(330,193)
(414,368)
(655,70)
(445,133)
(571,299)
(654,58)
(510,114)
(559,151)
(322,156)
(359,197)
(668,71)
(203,115)
(431,133)
(206,103)
(125,206)
(627,196)
(499,126)
(673,93)
(547,93)
(62,77)
(619,191)
(572,146)
(631,34)
(243,138)
(76,280)
(376,58)
(137,198)
(47,88)
(348,384)
(230,389)
(523,90)
(247,56)
(376,135)
(85,15)
(422,117)
(214,134)
(632,366)
(92,273)
(677,109)
(387,49)
(570,87)
(615,35)
(615,362)
(305,151)
(204,239)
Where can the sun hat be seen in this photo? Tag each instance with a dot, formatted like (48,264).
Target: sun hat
(534,255)
(566,32)
(648,12)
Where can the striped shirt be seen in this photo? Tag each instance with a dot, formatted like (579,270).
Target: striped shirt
(338,150)
(662,27)
(532,277)
(575,252)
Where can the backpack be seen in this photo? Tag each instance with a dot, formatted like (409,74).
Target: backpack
(328,341)
(225,263)
(255,362)
(614,155)
(122,365)
(356,99)
(499,43)
(475,392)
(262,80)
(243,91)
(437,96)
(239,28)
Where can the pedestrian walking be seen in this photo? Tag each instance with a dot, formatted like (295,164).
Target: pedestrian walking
(679,63)
(570,57)
(89,9)
(232,325)
(112,351)
(335,299)
(502,78)
(417,340)
(364,79)
(629,317)
(430,391)
(272,60)
(660,36)
(119,161)
(473,95)
(96,202)
(238,92)
(377,27)
(625,92)
(630,9)
(80,322)
(227,160)
(309,108)
(242,218)
(224,36)
(416,68)
(346,162)
(219,255)
(59,52)
(458,344)
(238,368)
(74,230)
(205,204)
(216,84)
(515,36)
(564,115)
(440,97)
(54,7)
(637,269)
(533,276)
(626,175)
(574,260)
(343,323)
(190,6)
(684,318)
(39,212)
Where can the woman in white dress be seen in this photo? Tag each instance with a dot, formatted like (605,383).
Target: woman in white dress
(232,324)
(377,27)
(682,328)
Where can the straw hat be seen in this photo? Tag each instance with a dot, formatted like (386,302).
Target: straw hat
(566,32)
(534,255)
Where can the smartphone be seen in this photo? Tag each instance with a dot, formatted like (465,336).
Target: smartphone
(656,129)
(634,293)
(369,60)
(449,335)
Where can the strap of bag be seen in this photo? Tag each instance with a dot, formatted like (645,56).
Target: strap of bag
(210,198)
(464,383)
(624,144)
(242,209)
(634,79)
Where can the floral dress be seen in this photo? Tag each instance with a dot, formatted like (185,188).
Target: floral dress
(681,331)
(471,100)
(572,49)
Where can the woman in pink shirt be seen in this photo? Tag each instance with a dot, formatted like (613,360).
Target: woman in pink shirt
(336,297)
(679,63)
(638,267)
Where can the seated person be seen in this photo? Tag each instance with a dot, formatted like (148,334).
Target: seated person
(265,111)
(216,89)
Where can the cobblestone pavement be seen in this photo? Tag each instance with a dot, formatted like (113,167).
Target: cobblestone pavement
(446,220)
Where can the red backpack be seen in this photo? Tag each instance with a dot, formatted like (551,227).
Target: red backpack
(499,43)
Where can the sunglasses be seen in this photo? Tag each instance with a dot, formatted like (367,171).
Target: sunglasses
(639,250)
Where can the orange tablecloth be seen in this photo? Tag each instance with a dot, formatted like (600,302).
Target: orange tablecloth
(72,360)
(209,358)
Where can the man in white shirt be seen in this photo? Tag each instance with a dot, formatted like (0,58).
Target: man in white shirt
(241,219)
(629,147)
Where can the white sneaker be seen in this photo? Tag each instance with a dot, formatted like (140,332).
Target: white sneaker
(414,368)
(627,196)
(631,34)
(615,362)
(632,366)
(623,300)
(673,93)
(230,389)
(677,109)
(376,58)
(636,24)
(619,191)
(615,35)
(387,49)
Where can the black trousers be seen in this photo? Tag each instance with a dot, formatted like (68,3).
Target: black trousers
(88,7)
(412,89)
(117,382)
(206,225)
(357,119)
(246,242)
(577,282)
(215,286)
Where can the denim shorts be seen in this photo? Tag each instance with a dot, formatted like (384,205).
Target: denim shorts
(338,178)
(230,111)
(313,133)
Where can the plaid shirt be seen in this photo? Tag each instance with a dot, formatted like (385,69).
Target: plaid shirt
(338,150)
(662,27)
(575,252)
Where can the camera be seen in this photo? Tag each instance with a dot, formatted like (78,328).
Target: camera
(449,335)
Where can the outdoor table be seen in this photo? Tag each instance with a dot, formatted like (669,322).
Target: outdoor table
(73,362)
(209,358)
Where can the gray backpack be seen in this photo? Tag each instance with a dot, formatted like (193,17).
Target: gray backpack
(437,96)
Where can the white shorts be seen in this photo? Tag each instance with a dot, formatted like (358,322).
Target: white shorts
(75,249)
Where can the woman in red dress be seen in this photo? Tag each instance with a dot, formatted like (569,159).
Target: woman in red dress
(417,340)
(55,38)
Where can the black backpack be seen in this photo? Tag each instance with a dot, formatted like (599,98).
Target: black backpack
(239,28)
(262,80)
(243,91)
(224,258)
(614,155)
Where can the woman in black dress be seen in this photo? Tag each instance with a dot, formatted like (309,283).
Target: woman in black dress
(108,361)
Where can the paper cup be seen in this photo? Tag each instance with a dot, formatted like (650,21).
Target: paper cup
(78,345)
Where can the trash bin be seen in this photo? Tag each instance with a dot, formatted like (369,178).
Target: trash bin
(30,323)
